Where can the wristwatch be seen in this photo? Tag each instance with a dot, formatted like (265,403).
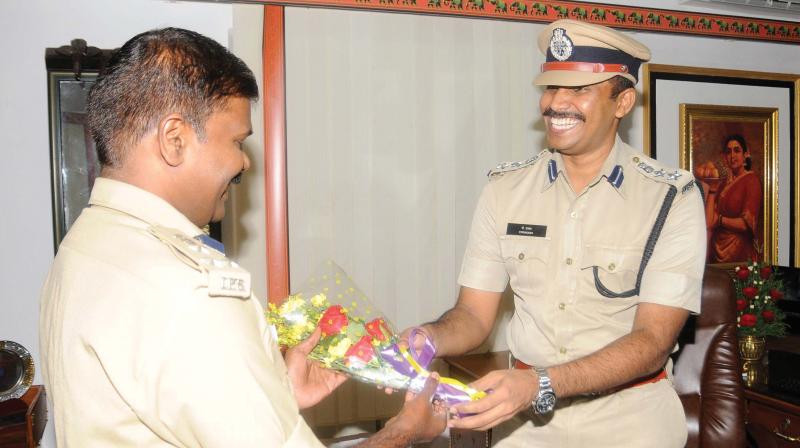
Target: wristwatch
(546,399)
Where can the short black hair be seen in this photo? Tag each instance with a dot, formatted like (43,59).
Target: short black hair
(158,72)
(618,85)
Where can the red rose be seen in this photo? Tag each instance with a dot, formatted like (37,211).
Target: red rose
(743,272)
(748,320)
(361,349)
(765,272)
(377,329)
(749,292)
(768,315)
(741,304)
(333,320)
(776,294)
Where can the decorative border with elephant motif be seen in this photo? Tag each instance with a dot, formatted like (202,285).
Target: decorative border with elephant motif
(617,16)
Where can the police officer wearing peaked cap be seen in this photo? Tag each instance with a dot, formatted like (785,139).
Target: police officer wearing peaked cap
(604,251)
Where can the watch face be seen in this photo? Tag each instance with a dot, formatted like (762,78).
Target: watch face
(545,403)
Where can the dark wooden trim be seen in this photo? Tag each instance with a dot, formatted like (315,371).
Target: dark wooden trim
(617,16)
(275,154)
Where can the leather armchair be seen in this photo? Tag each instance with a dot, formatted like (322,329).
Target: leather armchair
(707,372)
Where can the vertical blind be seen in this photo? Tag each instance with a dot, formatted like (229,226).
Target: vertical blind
(393,121)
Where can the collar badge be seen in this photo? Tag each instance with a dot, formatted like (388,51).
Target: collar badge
(561,45)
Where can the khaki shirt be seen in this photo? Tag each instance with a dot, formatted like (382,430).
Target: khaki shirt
(151,339)
(532,229)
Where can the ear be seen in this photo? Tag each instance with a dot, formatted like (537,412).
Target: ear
(625,102)
(173,137)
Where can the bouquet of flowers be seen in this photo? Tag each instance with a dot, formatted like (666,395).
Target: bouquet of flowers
(356,338)
(757,289)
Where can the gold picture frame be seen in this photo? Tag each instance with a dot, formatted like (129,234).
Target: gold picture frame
(733,152)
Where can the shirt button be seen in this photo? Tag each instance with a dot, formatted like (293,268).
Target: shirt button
(563,350)
(573,215)
(521,256)
(635,160)
(561,306)
(569,261)
(612,266)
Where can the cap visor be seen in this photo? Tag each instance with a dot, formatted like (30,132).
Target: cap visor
(571,78)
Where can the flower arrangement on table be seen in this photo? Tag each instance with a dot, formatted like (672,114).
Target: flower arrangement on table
(356,338)
(757,289)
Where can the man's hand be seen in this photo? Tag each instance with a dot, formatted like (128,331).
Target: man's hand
(418,343)
(311,382)
(420,420)
(508,392)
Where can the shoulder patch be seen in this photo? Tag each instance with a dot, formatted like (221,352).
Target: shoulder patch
(225,277)
(505,167)
(651,169)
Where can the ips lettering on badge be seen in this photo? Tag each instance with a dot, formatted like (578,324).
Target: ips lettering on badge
(526,230)
(229,282)
(232,284)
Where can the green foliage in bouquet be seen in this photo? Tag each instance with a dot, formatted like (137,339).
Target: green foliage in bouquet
(757,290)
(353,334)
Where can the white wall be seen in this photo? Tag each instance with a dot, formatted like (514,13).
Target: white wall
(394,119)
(27,27)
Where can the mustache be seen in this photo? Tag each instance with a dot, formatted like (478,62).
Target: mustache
(549,112)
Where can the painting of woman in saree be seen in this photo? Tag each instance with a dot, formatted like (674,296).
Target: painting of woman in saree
(732,153)
(733,205)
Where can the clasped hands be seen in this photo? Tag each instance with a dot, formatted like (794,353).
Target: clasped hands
(420,418)
(508,392)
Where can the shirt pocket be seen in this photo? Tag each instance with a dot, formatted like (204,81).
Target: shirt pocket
(612,270)
(526,261)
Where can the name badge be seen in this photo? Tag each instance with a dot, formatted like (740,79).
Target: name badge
(229,283)
(526,230)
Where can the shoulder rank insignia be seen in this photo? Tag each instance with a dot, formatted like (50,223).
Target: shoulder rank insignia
(225,277)
(681,179)
(511,166)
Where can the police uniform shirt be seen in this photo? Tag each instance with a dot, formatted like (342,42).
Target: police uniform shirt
(531,229)
(151,339)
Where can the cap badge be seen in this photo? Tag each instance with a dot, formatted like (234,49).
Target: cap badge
(560,44)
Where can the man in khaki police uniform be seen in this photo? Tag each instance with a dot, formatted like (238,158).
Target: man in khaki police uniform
(604,250)
(149,336)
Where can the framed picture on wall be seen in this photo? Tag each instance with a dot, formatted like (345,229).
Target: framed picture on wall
(733,153)
(73,158)
(759,106)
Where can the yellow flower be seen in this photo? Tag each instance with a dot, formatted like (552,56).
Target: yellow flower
(338,350)
(319,300)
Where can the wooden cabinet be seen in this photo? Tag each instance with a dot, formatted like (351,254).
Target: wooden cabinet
(773,416)
(772,422)
(22,420)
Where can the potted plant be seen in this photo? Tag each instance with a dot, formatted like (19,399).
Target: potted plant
(757,289)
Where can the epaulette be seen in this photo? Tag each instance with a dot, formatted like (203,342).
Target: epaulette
(225,277)
(511,166)
(681,179)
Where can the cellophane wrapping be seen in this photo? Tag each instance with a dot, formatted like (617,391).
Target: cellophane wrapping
(356,337)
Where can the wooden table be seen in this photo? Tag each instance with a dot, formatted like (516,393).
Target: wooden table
(773,417)
(22,420)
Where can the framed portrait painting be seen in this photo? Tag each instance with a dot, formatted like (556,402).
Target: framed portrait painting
(688,110)
(733,153)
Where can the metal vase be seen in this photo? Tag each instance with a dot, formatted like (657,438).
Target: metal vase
(752,347)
